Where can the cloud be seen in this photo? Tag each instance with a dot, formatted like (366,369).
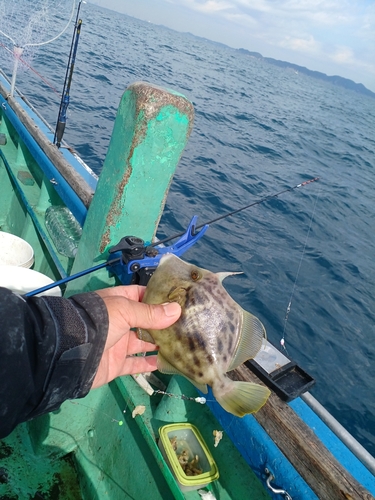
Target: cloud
(307,45)
(206,6)
(312,27)
(244,20)
(290,13)
(326,35)
(212,6)
(343,55)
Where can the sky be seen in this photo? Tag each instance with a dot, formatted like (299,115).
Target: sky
(336,37)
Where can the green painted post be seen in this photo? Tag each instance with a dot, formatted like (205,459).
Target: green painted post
(150,132)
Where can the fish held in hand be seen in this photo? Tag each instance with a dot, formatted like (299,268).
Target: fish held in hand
(213,335)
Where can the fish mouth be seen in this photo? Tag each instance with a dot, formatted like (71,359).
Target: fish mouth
(177,294)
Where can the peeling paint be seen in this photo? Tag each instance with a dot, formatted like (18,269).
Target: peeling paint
(115,210)
(150,132)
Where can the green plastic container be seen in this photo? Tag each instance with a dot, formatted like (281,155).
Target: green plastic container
(185,441)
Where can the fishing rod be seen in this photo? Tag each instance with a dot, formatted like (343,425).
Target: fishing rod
(131,256)
(258,202)
(65,98)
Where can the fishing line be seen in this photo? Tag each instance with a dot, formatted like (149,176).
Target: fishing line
(110,262)
(23,61)
(200,399)
(119,422)
(282,340)
(257,202)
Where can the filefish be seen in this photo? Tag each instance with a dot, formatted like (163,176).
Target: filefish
(213,335)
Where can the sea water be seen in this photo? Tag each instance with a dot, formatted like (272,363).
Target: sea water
(258,129)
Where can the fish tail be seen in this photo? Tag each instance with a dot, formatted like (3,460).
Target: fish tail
(240,398)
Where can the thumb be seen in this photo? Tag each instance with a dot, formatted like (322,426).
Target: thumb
(157,317)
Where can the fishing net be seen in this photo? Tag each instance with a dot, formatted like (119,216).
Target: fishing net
(28,24)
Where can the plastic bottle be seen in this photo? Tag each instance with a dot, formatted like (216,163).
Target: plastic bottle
(64,230)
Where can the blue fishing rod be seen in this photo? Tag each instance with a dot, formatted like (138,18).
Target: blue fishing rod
(65,97)
(134,262)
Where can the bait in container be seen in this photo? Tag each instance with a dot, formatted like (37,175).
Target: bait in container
(187,455)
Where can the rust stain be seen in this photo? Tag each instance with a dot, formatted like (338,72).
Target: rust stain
(149,100)
(115,210)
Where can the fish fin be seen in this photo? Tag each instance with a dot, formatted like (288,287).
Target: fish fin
(200,387)
(145,335)
(252,336)
(165,366)
(223,275)
(178,295)
(240,398)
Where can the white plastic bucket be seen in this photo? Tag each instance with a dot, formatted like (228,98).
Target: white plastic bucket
(22,280)
(15,251)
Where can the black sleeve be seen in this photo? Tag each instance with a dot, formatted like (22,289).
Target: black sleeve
(50,349)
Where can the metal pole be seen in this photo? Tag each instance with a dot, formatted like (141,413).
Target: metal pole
(352,444)
(17,51)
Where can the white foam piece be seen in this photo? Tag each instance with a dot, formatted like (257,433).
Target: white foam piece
(22,280)
(15,251)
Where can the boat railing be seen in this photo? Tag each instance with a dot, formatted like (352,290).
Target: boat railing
(334,425)
(26,100)
(318,453)
(78,184)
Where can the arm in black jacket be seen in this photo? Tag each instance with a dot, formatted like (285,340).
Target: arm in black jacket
(50,349)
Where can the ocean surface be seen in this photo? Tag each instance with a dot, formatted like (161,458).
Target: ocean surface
(259,129)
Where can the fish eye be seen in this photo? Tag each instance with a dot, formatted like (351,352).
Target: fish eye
(195,276)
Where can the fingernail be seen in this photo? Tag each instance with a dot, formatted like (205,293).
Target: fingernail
(171,309)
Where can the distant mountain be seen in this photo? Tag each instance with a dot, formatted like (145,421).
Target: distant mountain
(336,80)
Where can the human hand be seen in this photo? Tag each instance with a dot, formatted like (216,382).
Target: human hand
(126,311)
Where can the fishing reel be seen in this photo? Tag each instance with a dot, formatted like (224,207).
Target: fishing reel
(134,262)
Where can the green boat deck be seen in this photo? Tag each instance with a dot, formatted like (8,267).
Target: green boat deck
(82,451)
